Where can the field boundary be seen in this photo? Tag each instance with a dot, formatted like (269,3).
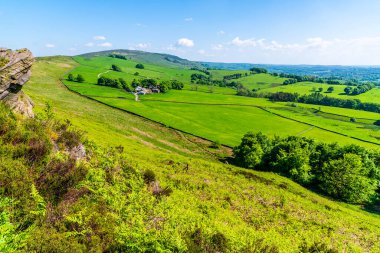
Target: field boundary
(221,104)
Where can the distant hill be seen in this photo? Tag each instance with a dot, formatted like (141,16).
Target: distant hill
(148,57)
(360,73)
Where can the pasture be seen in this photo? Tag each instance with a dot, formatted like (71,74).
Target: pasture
(220,116)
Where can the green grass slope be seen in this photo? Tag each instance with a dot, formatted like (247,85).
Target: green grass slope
(147,57)
(213,207)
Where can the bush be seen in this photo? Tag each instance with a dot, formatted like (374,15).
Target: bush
(70,77)
(139,66)
(37,150)
(80,78)
(115,68)
(149,176)
(58,177)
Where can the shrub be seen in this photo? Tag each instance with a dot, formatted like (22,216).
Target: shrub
(139,66)
(70,77)
(38,149)
(3,61)
(215,145)
(70,138)
(58,177)
(115,68)
(200,242)
(80,78)
(149,176)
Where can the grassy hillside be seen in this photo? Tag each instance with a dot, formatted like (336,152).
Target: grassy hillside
(147,57)
(211,207)
(217,114)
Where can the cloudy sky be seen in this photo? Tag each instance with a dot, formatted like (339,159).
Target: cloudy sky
(272,31)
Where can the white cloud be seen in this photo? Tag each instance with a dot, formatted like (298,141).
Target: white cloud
(244,43)
(89,44)
(99,37)
(49,45)
(314,50)
(105,44)
(143,45)
(188,19)
(217,47)
(221,32)
(201,51)
(185,42)
(72,49)
(140,46)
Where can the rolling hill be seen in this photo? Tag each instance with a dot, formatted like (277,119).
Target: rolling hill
(215,113)
(160,189)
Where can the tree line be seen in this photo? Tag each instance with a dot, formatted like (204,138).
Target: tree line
(148,83)
(79,78)
(205,71)
(320,99)
(207,80)
(349,173)
(362,88)
(118,56)
(119,83)
(234,76)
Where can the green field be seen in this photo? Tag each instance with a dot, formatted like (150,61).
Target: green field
(372,96)
(253,210)
(219,115)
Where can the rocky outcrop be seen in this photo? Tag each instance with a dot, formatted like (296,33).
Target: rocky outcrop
(14,73)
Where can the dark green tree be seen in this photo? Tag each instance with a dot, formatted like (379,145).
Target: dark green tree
(139,66)
(330,89)
(80,78)
(344,179)
(70,78)
(115,68)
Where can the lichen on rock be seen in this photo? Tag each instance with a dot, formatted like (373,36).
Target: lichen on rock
(14,73)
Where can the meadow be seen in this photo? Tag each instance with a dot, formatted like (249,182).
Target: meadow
(220,116)
(242,210)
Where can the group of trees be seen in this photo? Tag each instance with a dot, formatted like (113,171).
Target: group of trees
(163,86)
(79,78)
(292,78)
(119,83)
(206,71)
(350,173)
(234,76)
(115,68)
(148,83)
(256,70)
(359,89)
(118,56)
(197,78)
(320,99)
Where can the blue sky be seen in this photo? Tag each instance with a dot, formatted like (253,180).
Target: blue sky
(271,31)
